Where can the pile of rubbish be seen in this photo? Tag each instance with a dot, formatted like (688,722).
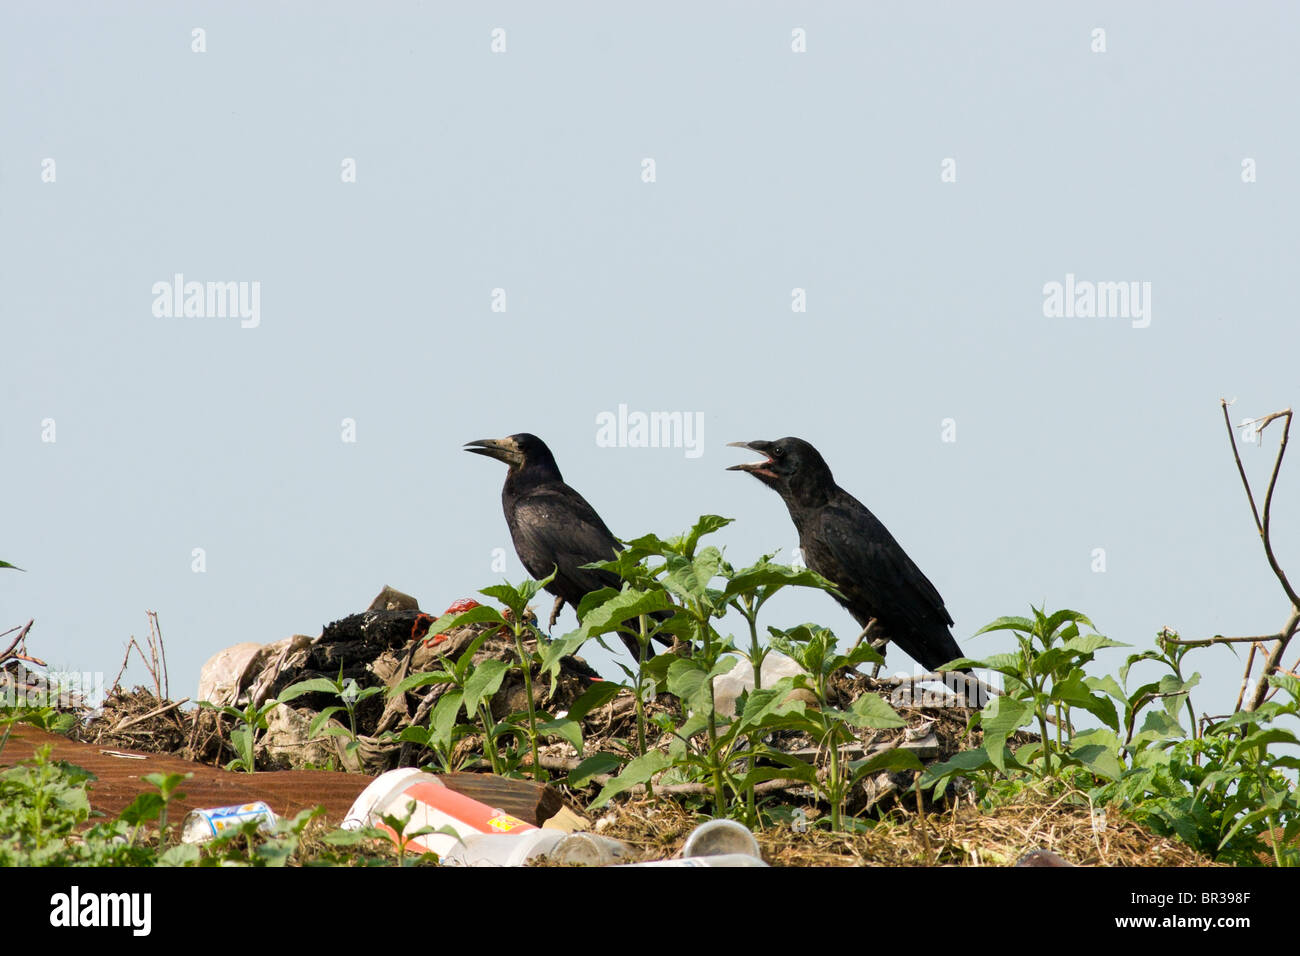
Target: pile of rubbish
(390,641)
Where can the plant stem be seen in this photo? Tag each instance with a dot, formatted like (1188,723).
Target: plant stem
(489,746)
(528,692)
(756,660)
(638,690)
(836,796)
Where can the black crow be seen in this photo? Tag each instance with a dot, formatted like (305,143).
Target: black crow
(553,527)
(845,543)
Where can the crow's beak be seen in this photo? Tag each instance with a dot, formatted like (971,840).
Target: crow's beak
(502,449)
(754,467)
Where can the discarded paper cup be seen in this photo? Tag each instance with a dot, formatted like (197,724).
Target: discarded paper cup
(502,849)
(203,825)
(722,859)
(719,838)
(436,806)
(588,849)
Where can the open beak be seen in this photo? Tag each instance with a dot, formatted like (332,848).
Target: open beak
(502,449)
(755,467)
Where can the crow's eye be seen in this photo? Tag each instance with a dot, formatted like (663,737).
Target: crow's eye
(777,452)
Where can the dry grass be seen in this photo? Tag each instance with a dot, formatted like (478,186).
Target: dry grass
(963,835)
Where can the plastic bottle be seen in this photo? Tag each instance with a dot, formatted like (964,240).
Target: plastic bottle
(436,806)
(720,838)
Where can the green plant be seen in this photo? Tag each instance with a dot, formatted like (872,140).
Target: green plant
(1228,792)
(43,718)
(1045,683)
(243,737)
(814,649)
(154,805)
(349,693)
(474,686)
(708,744)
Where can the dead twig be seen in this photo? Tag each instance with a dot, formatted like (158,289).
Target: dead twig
(1263,526)
(142,717)
(155,630)
(1273,660)
(8,651)
(1220,639)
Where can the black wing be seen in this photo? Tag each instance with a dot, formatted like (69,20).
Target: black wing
(553,526)
(881,581)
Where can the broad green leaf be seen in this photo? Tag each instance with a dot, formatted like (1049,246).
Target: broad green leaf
(773,577)
(1244,821)
(689,578)
(321,718)
(623,606)
(1062,616)
(864,653)
(1006,663)
(414,734)
(892,760)
(1098,751)
(769,702)
(484,682)
(594,599)
(182,854)
(1260,738)
(483,614)
(442,723)
(1158,725)
(1088,643)
(1134,659)
(1002,717)
(595,765)
(421,680)
(688,681)
(638,771)
(1022,624)
(566,729)
(872,710)
(1076,693)
(966,762)
(1050,661)
(1287,682)
(317,685)
(554,652)
(792,770)
(707,524)
(597,695)
(1108,685)
(145,808)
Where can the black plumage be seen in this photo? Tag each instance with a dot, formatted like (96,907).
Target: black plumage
(845,543)
(552,526)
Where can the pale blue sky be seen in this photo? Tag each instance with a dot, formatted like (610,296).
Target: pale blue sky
(522,171)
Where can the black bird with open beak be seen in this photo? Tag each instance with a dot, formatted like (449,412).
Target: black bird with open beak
(552,526)
(845,543)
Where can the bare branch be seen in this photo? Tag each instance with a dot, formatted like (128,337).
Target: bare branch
(1274,658)
(1268,505)
(153,713)
(1245,677)
(8,651)
(1232,438)
(1220,639)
